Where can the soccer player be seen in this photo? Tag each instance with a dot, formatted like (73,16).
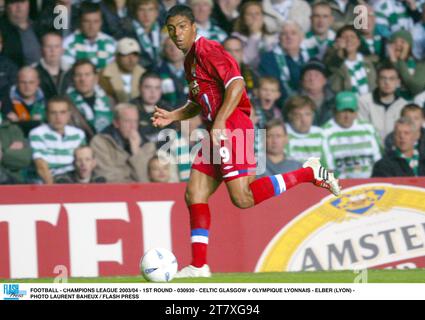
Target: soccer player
(217,91)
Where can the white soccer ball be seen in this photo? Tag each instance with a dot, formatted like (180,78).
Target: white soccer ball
(158,265)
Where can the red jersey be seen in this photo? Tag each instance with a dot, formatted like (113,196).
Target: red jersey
(209,70)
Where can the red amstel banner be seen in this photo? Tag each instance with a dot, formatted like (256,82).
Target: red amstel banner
(103,230)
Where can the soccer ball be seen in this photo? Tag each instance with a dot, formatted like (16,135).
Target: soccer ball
(158,265)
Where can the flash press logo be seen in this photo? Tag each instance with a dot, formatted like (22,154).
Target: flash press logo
(12,292)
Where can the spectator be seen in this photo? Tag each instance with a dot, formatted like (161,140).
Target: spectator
(88,42)
(305,140)
(15,153)
(372,41)
(84,165)
(383,106)
(8,71)
(159,170)
(321,36)
(122,154)
(418,35)
(53,144)
(351,70)
(25,102)
(412,72)
(120,79)
(286,60)
(268,96)
(93,110)
(147,31)
(314,85)
(116,18)
(225,13)
(394,15)
(150,96)
(50,14)
(279,11)
(234,46)
(202,10)
(276,141)
(416,114)
(251,30)
(420,100)
(174,86)
(405,161)
(20,34)
(351,146)
(343,12)
(53,79)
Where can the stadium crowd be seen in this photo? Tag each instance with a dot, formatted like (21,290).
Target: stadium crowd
(79,81)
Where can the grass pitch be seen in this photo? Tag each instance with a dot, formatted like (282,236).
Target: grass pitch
(373,276)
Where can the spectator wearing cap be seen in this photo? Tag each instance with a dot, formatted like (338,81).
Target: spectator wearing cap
(382,107)
(202,10)
(147,31)
(120,79)
(277,12)
(321,36)
(351,146)
(173,80)
(20,34)
(412,71)
(53,79)
(88,42)
(405,160)
(314,85)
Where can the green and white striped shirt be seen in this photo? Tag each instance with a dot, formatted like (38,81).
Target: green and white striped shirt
(212,32)
(351,152)
(55,149)
(101,115)
(100,52)
(302,146)
(358,75)
(392,15)
(315,46)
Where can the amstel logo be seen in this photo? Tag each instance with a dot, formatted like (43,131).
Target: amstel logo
(368,226)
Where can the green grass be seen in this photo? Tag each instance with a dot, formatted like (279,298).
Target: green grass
(373,276)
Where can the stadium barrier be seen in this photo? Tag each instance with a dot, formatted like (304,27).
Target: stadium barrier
(103,230)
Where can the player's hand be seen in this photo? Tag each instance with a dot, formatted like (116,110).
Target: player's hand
(218,132)
(161,118)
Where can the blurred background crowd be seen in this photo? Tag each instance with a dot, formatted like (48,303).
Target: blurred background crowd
(343,80)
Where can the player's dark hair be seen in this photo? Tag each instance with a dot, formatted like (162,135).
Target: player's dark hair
(180,10)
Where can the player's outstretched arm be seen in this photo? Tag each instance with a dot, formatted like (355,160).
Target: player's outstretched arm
(162,118)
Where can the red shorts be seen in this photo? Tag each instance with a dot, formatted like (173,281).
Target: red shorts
(236,157)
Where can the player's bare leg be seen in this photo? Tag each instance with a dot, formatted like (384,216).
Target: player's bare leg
(247,191)
(199,188)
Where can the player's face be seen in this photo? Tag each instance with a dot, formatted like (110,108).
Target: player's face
(182,32)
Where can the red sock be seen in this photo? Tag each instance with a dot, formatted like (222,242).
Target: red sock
(200,219)
(267,187)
